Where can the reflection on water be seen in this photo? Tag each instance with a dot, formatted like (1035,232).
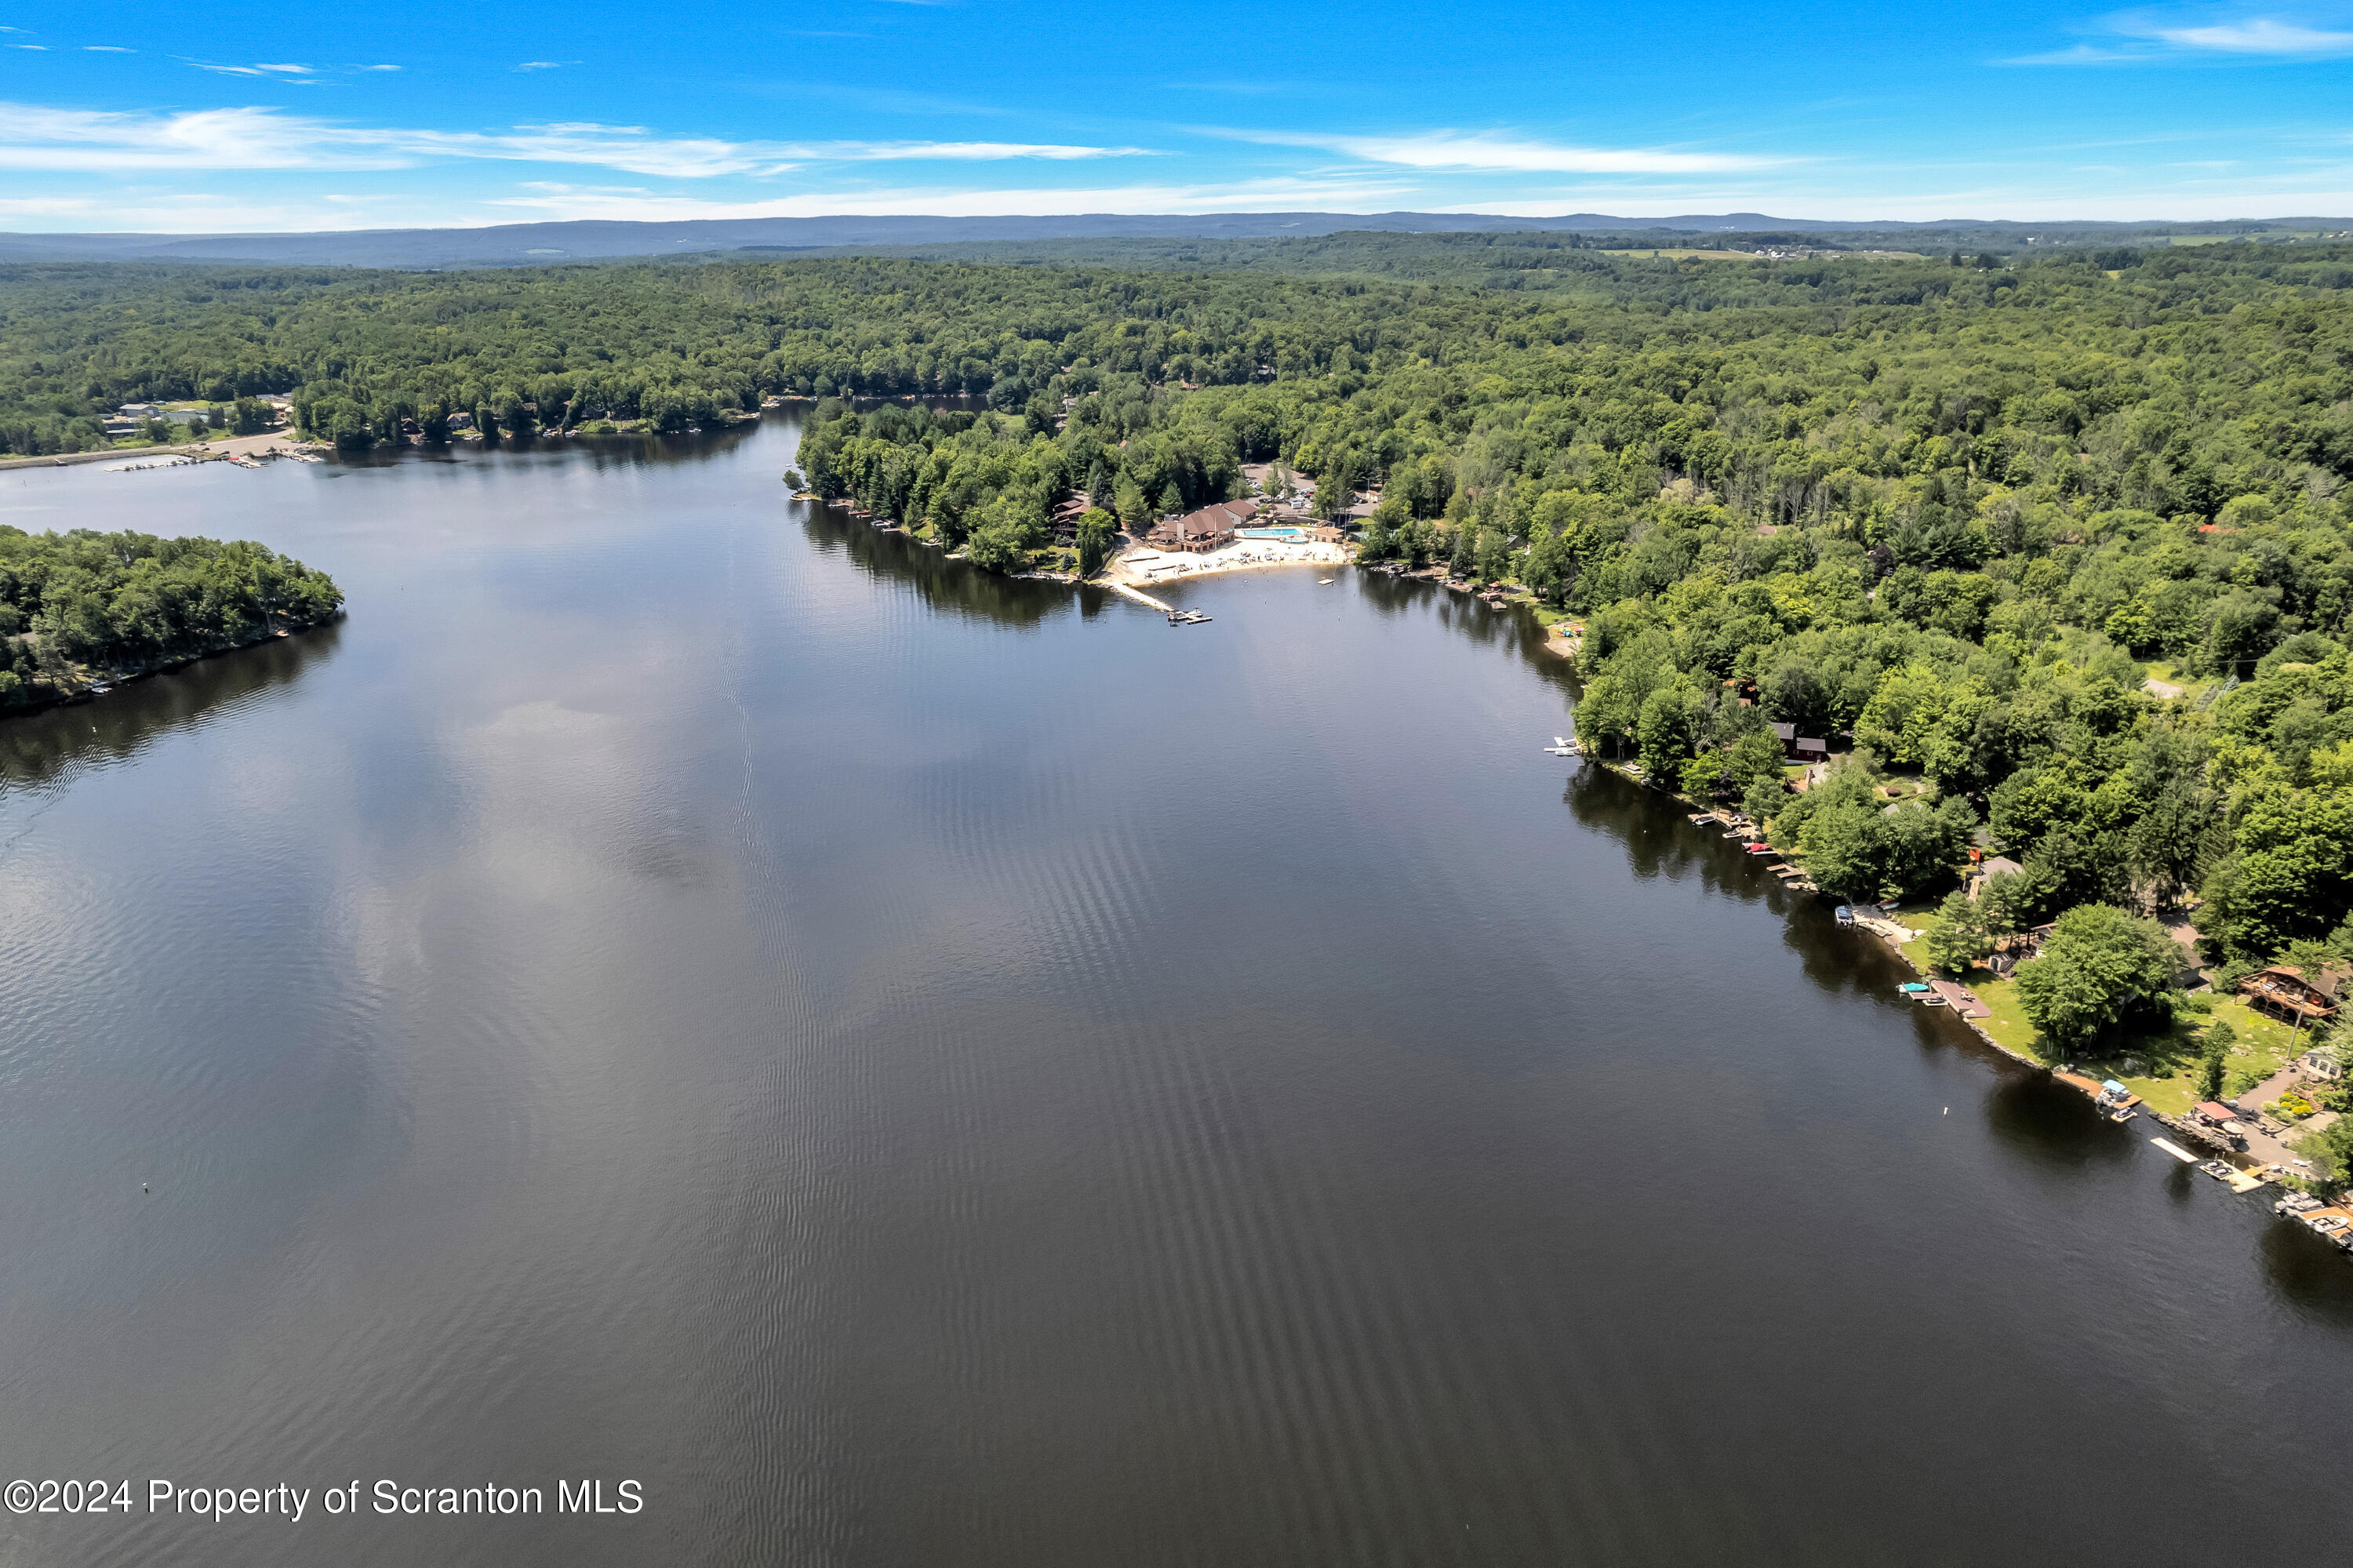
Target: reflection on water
(1024,1085)
(35,747)
(2307,1270)
(957,587)
(2054,1125)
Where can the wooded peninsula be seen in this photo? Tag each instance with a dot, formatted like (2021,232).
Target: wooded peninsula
(2054,547)
(83,606)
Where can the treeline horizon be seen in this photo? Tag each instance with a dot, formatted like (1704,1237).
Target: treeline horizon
(1958,509)
(675,344)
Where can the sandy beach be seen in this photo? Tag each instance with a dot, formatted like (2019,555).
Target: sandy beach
(1144,567)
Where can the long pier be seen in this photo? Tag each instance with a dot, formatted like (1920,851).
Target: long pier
(1138,595)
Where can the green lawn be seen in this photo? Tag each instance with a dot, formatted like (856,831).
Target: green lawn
(2168,1075)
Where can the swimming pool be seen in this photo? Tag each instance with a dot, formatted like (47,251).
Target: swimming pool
(1290,536)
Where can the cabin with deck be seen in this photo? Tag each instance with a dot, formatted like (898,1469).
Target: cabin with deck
(2292,996)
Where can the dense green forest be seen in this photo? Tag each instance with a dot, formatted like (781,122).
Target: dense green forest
(1957,526)
(677,343)
(120,602)
(1953,512)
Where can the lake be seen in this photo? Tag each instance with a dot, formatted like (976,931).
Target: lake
(911,1067)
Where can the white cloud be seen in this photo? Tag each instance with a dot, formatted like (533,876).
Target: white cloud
(2259,37)
(1489,152)
(262,71)
(195,213)
(543,65)
(107,49)
(2145,38)
(32,137)
(560,201)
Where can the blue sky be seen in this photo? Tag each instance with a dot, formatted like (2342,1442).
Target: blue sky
(373,115)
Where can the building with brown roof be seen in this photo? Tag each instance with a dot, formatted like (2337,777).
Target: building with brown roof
(2292,996)
(1210,527)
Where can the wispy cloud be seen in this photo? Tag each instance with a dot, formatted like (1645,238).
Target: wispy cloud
(2262,37)
(1479,151)
(199,212)
(2130,37)
(107,49)
(33,137)
(545,65)
(564,201)
(279,71)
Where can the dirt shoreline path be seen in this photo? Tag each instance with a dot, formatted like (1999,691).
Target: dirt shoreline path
(275,444)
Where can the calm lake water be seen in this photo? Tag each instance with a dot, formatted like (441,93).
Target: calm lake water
(914,1068)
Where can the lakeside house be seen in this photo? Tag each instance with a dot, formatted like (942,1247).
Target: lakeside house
(2015,948)
(1209,528)
(1989,868)
(2288,994)
(1065,518)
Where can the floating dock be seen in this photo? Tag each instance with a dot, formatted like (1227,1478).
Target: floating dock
(2176,1151)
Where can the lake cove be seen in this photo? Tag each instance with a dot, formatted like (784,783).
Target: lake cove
(911,1066)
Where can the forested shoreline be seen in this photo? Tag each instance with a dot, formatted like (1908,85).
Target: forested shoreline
(1975,519)
(2059,560)
(84,605)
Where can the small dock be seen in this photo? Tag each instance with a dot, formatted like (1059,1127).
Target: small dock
(2176,1151)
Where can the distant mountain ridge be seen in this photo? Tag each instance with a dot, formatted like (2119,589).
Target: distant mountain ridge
(527,244)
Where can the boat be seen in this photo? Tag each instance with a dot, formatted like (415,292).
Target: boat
(1323,582)
(1844,914)
(1912,988)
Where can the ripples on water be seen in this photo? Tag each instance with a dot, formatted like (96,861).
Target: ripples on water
(916,1067)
